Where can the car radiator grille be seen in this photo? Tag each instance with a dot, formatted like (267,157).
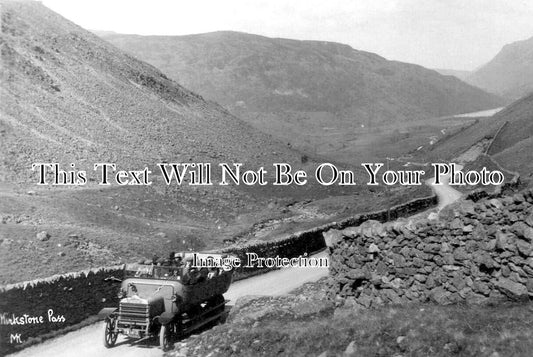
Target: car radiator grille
(133,313)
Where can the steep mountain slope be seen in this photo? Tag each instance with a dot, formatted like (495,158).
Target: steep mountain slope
(512,130)
(256,75)
(68,96)
(510,73)
(513,147)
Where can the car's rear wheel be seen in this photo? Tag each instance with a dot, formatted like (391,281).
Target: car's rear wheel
(110,333)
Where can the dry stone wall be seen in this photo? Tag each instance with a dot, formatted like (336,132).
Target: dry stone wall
(509,186)
(475,253)
(43,305)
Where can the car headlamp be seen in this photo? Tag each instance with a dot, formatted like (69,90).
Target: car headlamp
(121,294)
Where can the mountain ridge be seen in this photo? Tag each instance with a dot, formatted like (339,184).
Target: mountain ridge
(461,74)
(509,73)
(217,42)
(306,93)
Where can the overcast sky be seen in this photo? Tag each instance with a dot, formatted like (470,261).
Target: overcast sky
(455,34)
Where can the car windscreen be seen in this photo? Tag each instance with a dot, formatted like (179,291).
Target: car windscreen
(138,271)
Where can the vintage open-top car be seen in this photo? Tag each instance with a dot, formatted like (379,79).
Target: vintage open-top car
(167,300)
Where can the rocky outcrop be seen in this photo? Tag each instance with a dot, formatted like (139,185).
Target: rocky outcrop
(474,253)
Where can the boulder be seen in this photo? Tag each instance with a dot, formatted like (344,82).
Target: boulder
(524,247)
(518,198)
(512,289)
(457,224)
(502,241)
(392,296)
(529,286)
(351,232)
(481,288)
(356,274)
(373,249)
(351,350)
(485,261)
(495,203)
(467,229)
(440,295)
(460,254)
(43,236)
(522,231)
(332,236)
(529,220)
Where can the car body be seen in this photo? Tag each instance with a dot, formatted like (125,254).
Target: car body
(166,300)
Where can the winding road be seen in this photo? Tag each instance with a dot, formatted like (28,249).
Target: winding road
(445,192)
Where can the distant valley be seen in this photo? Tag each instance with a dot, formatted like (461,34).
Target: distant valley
(321,97)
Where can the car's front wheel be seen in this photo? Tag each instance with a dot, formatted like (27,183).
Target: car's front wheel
(110,333)
(166,335)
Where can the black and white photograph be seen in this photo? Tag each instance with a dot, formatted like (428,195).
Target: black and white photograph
(250,178)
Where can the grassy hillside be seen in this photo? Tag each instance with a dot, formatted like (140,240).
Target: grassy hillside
(510,73)
(519,118)
(513,147)
(511,129)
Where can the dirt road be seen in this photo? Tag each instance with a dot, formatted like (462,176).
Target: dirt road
(445,193)
(87,342)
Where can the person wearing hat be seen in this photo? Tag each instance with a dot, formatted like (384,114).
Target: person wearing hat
(188,272)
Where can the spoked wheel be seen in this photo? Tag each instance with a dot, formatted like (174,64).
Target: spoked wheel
(110,333)
(166,336)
